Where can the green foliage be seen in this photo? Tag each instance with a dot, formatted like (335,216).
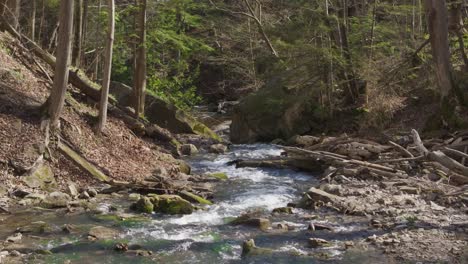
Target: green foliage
(171,52)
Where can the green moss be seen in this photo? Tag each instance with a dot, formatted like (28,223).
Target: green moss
(122,221)
(218,175)
(144,205)
(194,198)
(171,204)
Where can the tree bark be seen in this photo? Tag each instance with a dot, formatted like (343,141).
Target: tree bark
(140,70)
(78,33)
(57,97)
(107,67)
(33,20)
(10,10)
(437,20)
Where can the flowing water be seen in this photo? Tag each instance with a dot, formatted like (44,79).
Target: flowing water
(205,236)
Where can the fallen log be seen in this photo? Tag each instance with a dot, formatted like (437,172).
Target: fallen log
(335,158)
(82,162)
(439,157)
(282,163)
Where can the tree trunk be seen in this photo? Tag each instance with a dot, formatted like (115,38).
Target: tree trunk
(11,10)
(57,97)
(78,33)
(84,28)
(33,20)
(107,67)
(41,23)
(140,71)
(258,21)
(97,39)
(437,20)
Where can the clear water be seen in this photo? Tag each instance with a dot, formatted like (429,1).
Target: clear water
(204,236)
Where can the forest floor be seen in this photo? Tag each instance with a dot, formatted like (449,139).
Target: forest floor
(118,152)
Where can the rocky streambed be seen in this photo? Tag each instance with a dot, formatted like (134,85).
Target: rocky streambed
(253,216)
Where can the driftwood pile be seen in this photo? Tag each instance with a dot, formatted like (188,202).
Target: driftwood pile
(348,157)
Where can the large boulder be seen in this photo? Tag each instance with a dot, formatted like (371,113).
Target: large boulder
(276,111)
(162,113)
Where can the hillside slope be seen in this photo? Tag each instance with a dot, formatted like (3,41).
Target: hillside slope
(24,87)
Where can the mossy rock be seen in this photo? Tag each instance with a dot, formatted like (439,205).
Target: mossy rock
(123,220)
(42,177)
(38,227)
(144,205)
(184,167)
(171,204)
(249,248)
(218,175)
(194,198)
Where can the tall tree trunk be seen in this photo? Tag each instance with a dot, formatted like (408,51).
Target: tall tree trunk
(84,29)
(57,97)
(107,67)
(140,71)
(98,43)
(41,23)
(10,9)
(78,33)
(258,21)
(33,20)
(437,20)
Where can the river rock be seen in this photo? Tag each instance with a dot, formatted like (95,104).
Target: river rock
(314,195)
(171,204)
(144,205)
(194,198)
(303,141)
(249,248)
(318,242)
(188,149)
(317,226)
(184,167)
(56,200)
(92,192)
(218,175)
(248,220)
(100,232)
(283,210)
(41,177)
(218,149)
(32,198)
(14,238)
(72,189)
(134,196)
(38,227)
(332,188)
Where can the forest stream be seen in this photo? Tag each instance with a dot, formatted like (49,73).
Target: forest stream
(204,236)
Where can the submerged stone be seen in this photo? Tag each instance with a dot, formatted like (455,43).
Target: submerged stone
(249,248)
(283,210)
(247,220)
(318,242)
(100,232)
